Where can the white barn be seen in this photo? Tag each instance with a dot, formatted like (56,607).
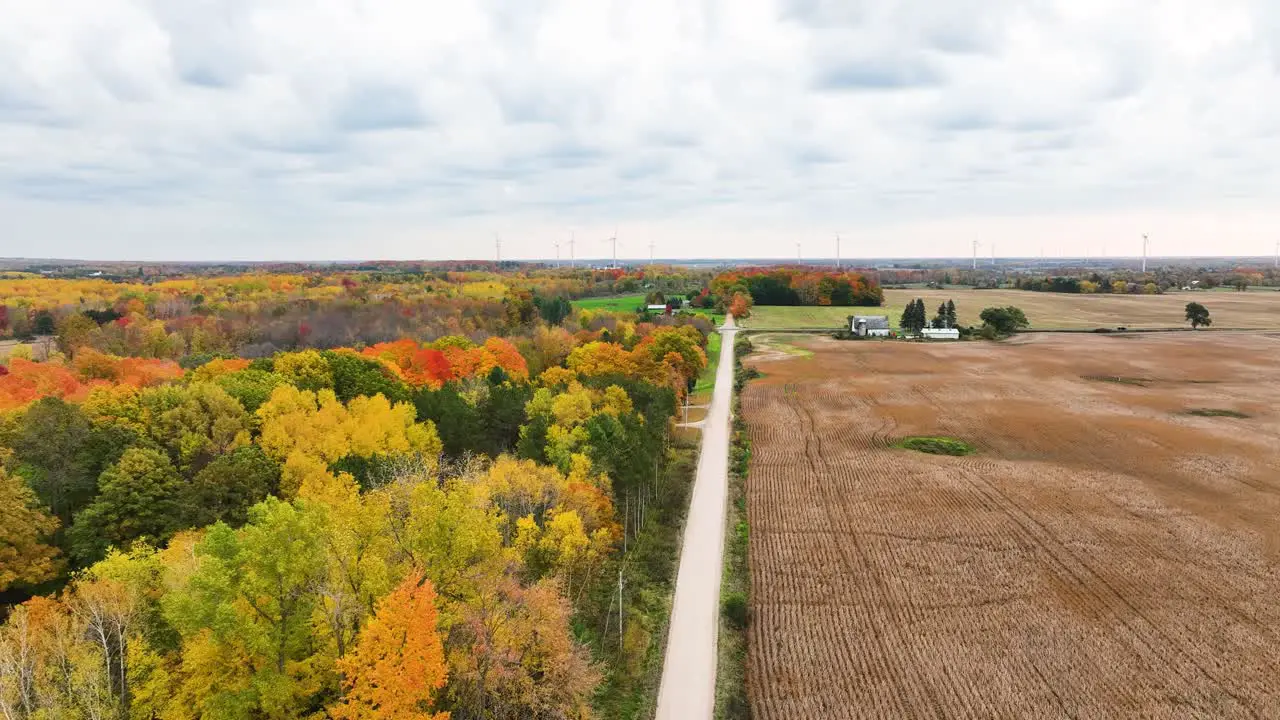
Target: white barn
(940,334)
(869,326)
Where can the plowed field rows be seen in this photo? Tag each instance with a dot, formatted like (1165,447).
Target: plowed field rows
(1103,554)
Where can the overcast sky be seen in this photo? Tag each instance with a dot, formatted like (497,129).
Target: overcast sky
(346,129)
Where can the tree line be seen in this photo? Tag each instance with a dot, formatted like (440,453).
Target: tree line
(329,533)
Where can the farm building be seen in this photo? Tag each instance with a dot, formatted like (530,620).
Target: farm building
(940,334)
(869,326)
(656,308)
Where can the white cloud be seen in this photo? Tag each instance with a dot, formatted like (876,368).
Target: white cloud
(344,128)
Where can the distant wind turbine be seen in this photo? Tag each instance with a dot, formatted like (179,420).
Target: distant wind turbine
(497,244)
(614,240)
(975,254)
(798,260)
(837,251)
(1145,242)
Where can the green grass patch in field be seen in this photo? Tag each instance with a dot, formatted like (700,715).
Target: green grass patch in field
(779,343)
(1217,412)
(615,303)
(936,445)
(1119,380)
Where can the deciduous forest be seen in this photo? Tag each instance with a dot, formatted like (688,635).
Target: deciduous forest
(338,495)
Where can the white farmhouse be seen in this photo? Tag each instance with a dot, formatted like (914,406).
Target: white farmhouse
(869,326)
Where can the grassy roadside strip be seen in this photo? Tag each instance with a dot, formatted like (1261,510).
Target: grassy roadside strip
(731,671)
(707,380)
(632,666)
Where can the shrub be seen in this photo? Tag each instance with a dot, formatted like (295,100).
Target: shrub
(734,607)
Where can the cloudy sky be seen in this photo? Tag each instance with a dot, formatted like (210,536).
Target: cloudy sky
(344,129)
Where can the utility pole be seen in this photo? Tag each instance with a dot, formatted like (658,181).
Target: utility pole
(837,252)
(1145,242)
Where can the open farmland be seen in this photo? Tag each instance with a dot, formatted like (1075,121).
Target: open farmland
(1103,553)
(1257,310)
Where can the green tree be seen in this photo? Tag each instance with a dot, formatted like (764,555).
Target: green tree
(51,443)
(227,487)
(246,613)
(1005,320)
(940,318)
(138,498)
(195,423)
(45,324)
(951,314)
(1198,315)
(355,375)
(914,317)
(252,387)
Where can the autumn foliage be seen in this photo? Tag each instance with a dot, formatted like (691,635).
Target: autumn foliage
(798,286)
(434,364)
(398,663)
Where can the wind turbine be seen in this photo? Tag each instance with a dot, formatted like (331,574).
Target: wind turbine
(798,261)
(1278,253)
(571,248)
(837,252)
(497,244)
(993,254)
(557,244)
(975,254)
(650,252)
(614,239)
(1145,242)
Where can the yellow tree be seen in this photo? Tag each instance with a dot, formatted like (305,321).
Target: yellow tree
(398,663)
(25,557)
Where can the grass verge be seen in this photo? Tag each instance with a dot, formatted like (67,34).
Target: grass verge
(633,662)
(731,670)
(1217,412)
(707,380)
(936,445)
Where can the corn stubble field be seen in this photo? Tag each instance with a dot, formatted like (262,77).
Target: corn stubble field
(1103,554)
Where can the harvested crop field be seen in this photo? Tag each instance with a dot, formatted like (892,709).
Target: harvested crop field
(1254,310)
(1103,553)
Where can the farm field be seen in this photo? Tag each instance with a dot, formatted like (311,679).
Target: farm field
(1045,310)
(1103,553)
(611,303)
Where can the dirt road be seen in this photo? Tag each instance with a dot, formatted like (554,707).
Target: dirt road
(689,672)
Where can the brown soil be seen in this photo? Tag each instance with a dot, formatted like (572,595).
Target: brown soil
(1104,554)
